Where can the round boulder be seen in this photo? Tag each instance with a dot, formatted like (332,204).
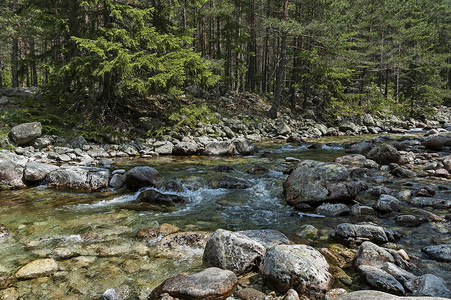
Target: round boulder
(439,252)
(387,204)
(317,182)
(385,154)
(24,133)
(233,251)
(11,170)
(142,176)
(298,267)
(211,283)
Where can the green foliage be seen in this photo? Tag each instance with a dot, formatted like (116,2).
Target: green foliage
(56,120)
(129,57)
(188,116)
(192,115)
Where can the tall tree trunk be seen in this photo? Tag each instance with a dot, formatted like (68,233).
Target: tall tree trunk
(265,87)
(34,72)
(14,62)
(1,70)
(14,54)
(280,74)
(295,70)
(107,84)
(252,48)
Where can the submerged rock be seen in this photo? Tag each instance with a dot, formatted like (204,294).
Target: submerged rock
(181,243)
(317,182)
(119,293)
(155,197)
(211,283)
(5,234)
(37,268)
(299,267)
(228,182)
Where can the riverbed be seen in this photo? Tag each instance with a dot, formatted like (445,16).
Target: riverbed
(100,228)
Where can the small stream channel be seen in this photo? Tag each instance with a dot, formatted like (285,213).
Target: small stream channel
(101,227)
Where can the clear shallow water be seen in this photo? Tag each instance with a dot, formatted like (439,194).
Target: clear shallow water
(42,220)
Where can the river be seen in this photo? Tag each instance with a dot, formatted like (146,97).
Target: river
(101,227)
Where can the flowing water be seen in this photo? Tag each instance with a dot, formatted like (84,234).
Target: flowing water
(102,226)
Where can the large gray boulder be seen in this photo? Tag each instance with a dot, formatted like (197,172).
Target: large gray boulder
(24,133)
(35,171)
(316,182)
(211,283)
(360,148)
(437,142)
(79,178)
(381,280)
(370,254)
(245,147)
(430,201)
(387,204)
(163,147)
(385,154)
(219,148)
(240,251)
(142,176)
(431,285)
(439,252)
(298,267)
(357,160)
(186,148)
(361,232)
(11,170)
(378,295)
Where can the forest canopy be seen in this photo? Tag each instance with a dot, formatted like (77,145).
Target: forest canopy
(343,56)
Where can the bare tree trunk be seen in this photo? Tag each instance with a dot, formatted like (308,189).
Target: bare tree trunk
(14,62)
(14,55)
(265,87)
(1,70)
(282,66)
(252,48)
(34,72)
